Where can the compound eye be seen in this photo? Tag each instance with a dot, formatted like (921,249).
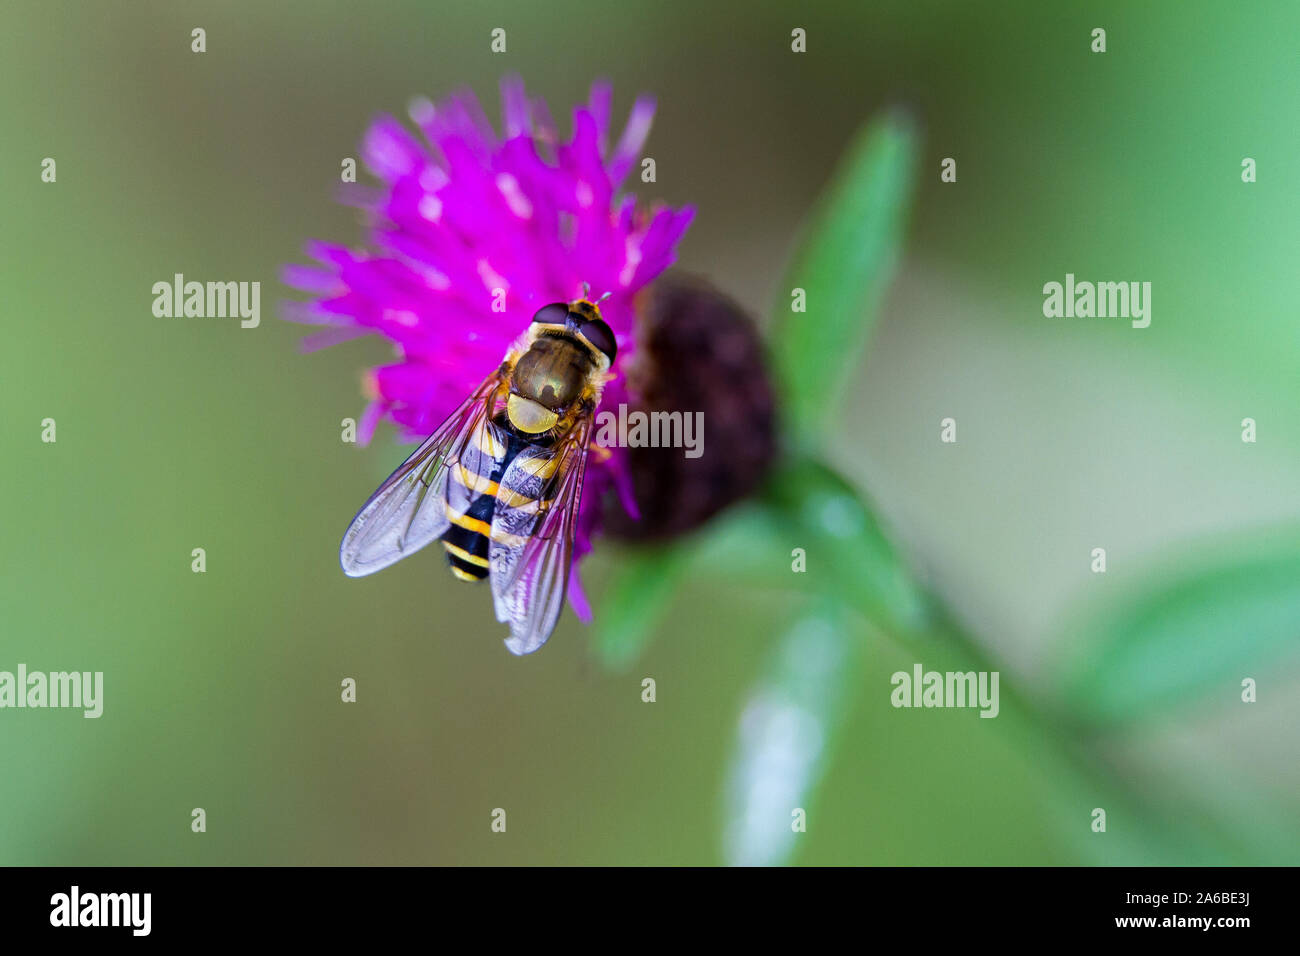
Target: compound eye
(600,335)
(553,314)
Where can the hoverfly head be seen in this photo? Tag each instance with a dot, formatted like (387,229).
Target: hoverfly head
(585,320)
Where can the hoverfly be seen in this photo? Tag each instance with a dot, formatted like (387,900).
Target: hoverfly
(499,482)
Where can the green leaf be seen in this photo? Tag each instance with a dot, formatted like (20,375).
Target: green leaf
(787,731)
(844,264)
(749,542)
(846,557)
(847,554)
(636,601)
(807,506)
(1182,633)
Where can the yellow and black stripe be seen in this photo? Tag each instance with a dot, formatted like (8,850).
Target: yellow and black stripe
(476,479)
(466,541)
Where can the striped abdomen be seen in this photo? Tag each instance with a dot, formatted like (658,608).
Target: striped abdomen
(475,489)
(466,540)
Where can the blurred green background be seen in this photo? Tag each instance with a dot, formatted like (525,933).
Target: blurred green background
(222,689)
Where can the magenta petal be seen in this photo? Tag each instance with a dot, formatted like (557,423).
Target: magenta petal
(633,139)
(311,313)
(310,279)
(390,151)
(408,383)
(623,486)
(514,108)
(369,419)
(322,340)
(599,102)
(578,597)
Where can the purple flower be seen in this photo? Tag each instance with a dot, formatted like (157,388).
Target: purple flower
(469,234)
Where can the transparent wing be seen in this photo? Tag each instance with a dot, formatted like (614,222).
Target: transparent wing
(532,543)
(408,510)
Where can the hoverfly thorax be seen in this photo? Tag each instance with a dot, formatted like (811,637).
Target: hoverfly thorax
(571,347)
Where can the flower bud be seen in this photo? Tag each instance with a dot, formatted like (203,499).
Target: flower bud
(697,351)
